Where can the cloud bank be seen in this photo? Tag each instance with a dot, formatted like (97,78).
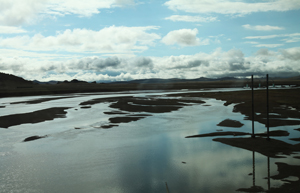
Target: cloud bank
(219,63)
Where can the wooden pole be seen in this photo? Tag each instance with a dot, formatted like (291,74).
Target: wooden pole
(268,137)
(253,136)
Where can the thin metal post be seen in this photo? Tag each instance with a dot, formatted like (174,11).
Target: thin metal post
(269,184)
(253,167)
(268,138)
(253,136)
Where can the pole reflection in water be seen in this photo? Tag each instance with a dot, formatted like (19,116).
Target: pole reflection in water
(254,188)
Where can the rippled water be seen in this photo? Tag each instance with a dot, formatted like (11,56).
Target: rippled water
(140,156)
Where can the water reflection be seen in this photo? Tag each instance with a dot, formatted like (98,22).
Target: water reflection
(139,156)
(255,188)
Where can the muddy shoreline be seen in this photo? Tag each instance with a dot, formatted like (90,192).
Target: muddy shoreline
(284,106)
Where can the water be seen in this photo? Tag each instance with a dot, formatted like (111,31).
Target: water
(140,156)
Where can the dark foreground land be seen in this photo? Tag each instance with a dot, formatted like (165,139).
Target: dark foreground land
(15,86)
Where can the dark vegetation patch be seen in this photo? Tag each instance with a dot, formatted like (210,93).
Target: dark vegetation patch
(35,137)
(270,148)
(2,106)
(285,171)
(108,126)
(233,133)
(115,113)
(33,117)
(230,123)
(85,107)
(236,133)
(298,129)
(124,119)
(251,189)
(36,101)
(140,115)
(150,105)
(295,139)
(297,157)
(277,133)
(103,100)
(280,102)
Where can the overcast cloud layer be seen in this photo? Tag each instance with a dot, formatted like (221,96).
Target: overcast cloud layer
(117,40)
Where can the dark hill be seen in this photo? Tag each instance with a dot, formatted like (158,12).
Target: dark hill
(12,80)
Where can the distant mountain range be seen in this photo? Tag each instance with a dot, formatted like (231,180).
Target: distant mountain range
(12,80)
(160,80)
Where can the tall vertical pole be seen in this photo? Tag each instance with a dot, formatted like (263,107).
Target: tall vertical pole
(253,167)
(268,138)
(269,184)
(253,136)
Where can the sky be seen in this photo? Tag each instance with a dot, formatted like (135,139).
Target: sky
(119,40)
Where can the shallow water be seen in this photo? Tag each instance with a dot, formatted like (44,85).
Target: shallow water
(140,156)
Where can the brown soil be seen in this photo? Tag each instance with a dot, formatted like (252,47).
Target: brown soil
(33,117)
(230,123)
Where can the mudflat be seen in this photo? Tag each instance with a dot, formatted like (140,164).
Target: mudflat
(33,117)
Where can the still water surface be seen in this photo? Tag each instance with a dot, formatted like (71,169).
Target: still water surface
(140,156)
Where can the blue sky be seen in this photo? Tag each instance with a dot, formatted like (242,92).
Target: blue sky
(114,40)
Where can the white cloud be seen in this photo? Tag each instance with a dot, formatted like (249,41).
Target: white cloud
(291,53)
(11,30)
(107,40)
(262,27)
(184,37)
(295,37)
(240,7)
(18,12)
(268,45)
(188,18)
(251,42)
(292,39)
